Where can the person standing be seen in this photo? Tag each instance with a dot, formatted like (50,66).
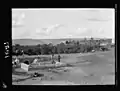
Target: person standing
(16,61)
(16,51)
(38,60)
(52,58)
(59,57)
(22,53)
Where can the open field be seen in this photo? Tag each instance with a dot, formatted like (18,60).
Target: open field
(90,68)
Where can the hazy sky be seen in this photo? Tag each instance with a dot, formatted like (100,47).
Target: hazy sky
(61,23)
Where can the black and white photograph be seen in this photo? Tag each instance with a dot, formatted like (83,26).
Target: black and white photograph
(63,46)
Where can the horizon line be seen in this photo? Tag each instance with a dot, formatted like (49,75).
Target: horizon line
(70,38)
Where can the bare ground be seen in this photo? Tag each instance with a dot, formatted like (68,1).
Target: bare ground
(89,69)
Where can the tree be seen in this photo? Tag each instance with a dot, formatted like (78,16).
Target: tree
(30,52)
(37,51)
(53,49)
(50,44)
(17,44)
(77,43)
(38,45)
(44,49)
(67,42)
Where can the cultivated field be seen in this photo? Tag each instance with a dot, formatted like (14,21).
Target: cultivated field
(89,68)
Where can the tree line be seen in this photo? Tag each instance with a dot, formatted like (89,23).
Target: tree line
(67,47)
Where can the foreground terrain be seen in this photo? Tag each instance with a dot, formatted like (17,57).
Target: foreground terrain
(90,69)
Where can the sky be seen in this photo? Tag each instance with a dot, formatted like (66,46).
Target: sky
(47,23)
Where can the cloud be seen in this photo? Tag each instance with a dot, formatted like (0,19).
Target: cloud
(77,32)
(46,32)
(69,36)
(41,32)
(17,20)
(54,28)
(83,32)
(87,32)
(101,31)
(50,29)
(95,19)
(97,15)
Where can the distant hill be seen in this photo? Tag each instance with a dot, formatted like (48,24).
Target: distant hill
(38,41)
(42,41)
(26,42)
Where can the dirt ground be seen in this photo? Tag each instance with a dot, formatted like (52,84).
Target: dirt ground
(84,69)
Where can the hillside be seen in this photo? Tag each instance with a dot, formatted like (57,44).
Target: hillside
(37,41)
(42,41)
(26,42)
